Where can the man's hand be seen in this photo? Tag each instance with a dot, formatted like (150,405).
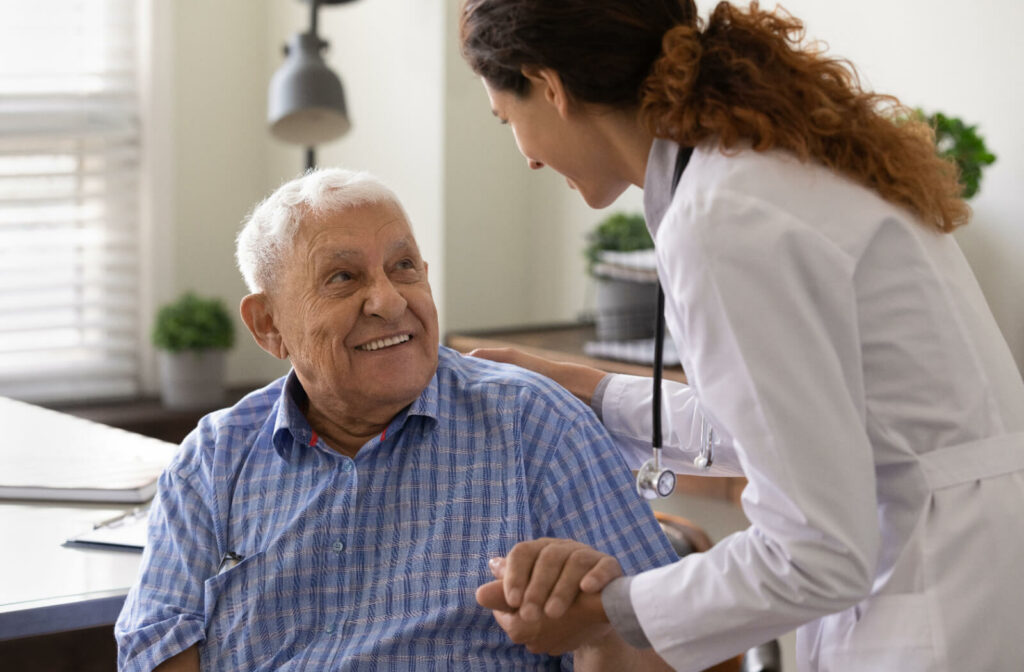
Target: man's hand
(583,623)
(545,575)
(547,594)
(582,628)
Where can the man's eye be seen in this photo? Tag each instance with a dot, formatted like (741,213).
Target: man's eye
(341,276)
(406,264)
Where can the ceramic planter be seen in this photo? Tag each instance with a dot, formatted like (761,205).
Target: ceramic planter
(625,310)
(192,379)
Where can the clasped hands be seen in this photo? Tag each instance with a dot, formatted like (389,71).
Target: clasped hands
(547,594)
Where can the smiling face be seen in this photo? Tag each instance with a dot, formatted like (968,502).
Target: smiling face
(354,312)
(569,138)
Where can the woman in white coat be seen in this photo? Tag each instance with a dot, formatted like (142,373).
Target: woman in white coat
(832,334)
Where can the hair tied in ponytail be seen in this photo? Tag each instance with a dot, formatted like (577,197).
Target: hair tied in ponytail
(673,77)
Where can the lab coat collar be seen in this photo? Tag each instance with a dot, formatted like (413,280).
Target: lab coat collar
(658,182)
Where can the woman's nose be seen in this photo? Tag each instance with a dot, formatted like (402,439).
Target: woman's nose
(534,164)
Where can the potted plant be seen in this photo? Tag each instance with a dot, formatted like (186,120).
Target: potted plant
(620,258)
(192,335)
(956,140)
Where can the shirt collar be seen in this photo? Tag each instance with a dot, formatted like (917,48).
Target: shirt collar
(291,426)
(426,404)
(658,182)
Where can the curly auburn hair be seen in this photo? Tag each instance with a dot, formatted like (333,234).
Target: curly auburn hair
(745,77)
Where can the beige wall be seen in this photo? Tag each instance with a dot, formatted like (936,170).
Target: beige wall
(514,237)
(504,242)
(962,59)
(220,150)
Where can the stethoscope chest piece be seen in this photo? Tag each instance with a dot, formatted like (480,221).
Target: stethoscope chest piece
(653,481)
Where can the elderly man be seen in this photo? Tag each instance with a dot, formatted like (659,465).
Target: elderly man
(342,516)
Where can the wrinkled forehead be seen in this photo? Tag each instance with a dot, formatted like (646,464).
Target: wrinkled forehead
(380,225)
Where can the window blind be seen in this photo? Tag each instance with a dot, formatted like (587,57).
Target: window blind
(69,205)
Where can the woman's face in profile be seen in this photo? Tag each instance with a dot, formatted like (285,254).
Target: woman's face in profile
(551,132)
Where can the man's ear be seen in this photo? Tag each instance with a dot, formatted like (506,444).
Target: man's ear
(258,316)
(549,83)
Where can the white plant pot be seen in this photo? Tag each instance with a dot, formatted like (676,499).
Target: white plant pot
(192,379)
(625,310)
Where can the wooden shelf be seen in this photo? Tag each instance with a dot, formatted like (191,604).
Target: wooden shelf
(146,415)
(564,343)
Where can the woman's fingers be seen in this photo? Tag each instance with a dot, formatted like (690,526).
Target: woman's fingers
(519,568)
(582,562)
(550,566)
(578,379)
(506,355)
(544,576)
(600,575)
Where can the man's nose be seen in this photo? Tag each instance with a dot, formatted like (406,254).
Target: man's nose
(383,300)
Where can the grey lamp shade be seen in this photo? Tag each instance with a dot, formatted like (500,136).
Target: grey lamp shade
(306,104)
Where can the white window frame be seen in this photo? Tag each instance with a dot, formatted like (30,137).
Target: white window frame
(155,216)
(157,178)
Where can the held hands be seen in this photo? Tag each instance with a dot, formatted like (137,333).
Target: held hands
(547,594)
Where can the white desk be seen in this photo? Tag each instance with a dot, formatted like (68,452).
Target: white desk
(46,587)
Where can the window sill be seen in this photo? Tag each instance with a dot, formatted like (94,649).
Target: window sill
(146,415)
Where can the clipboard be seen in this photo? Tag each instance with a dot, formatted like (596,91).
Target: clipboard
(126,532)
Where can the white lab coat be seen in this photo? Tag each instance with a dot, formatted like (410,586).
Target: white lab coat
(854,374)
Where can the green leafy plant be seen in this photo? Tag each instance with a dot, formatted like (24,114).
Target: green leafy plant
(622,232)
(956,140)
(193,323)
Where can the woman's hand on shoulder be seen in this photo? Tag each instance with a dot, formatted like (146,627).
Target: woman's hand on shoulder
(579,379)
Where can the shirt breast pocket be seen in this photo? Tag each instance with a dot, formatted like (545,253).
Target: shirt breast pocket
(256,615)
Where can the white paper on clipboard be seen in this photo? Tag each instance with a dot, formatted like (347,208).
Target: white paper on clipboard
(124,533)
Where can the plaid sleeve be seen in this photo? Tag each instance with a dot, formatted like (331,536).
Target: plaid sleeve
(585,491)
(580,487)
(164,613)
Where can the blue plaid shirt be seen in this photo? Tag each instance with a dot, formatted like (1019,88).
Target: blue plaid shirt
(372,562)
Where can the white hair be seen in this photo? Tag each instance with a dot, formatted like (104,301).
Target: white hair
(269,230)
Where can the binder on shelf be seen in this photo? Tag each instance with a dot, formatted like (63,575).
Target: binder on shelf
(47,455)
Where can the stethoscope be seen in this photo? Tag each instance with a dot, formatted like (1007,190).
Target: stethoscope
(653,480)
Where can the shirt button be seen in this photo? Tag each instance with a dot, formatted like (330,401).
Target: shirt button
(338,546)
(329,628)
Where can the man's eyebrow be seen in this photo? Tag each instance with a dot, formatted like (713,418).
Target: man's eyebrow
(332,255)
(402,244)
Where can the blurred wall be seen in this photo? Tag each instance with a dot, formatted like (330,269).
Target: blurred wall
(505,243)
(962,59)
(220,150)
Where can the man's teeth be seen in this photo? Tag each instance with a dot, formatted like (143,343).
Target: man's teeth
(384,342)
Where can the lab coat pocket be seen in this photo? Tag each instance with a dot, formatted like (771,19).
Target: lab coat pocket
(884,632)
